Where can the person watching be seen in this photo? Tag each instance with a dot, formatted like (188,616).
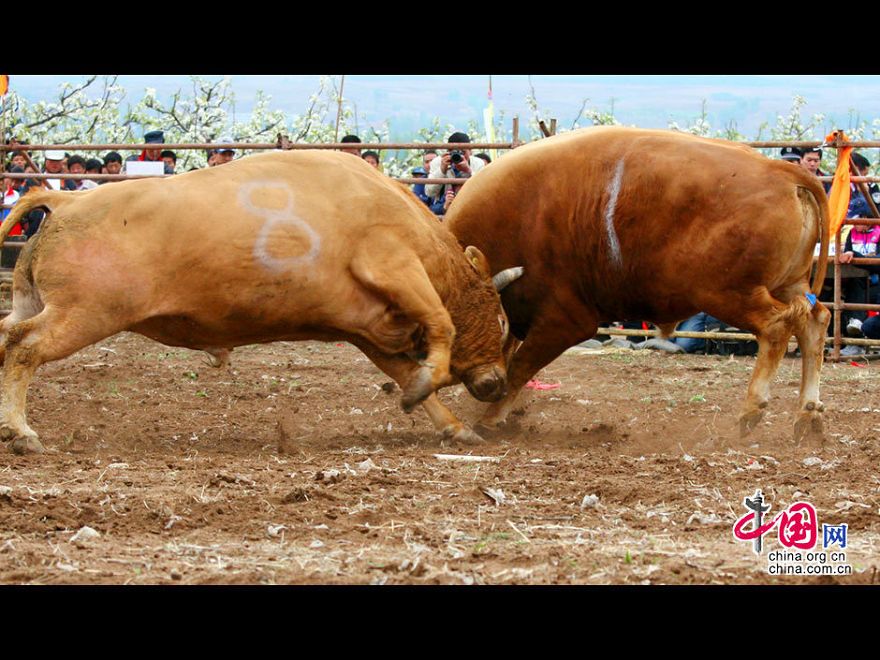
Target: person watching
(351,139)
(862,241)
(223,155)
(19,160)
(427,157)
(152,154)
(11,187)
(170,159)
(54,164)
(419,188)
(810,161)
(792,155)
(455,163)
(93,166)
(372,158)
(112,163)
(11,194)
(77,165)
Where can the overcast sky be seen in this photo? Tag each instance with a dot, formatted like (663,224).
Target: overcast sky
(412,101)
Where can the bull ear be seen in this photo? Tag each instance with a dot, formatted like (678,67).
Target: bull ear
(478,260)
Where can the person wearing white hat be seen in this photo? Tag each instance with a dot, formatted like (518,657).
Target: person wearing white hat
(55,165)
(223,155)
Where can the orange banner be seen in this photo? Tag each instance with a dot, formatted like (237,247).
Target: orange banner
(838,197)
(4,85)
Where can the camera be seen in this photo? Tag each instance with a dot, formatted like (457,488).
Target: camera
(456,156)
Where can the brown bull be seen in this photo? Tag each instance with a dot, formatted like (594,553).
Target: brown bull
(619,223)
(280,246)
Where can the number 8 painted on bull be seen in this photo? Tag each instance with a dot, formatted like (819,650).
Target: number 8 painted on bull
(273,219)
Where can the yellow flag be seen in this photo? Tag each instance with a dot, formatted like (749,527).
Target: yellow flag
(4,85)
(838,197)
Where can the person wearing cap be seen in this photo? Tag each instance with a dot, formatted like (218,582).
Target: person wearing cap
(792,155)
(455,163)
(223,155)
(351,139)
(54,164)
(419,188)
(152,155)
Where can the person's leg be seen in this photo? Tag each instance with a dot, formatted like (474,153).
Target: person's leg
(696,323)
(871,327)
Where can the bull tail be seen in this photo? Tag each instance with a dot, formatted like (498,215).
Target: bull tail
(811,198)
(33,199)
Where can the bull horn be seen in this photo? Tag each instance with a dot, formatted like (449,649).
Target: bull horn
(506,276)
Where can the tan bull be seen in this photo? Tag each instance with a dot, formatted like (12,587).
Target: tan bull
(619,223)
(280,246)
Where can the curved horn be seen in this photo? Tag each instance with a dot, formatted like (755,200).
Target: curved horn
(507,276)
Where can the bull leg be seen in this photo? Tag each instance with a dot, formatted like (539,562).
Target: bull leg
(811,340)
(25,304)
(773,322)
(401,279)
(547,339)
(50,335)
(401,370)
(217,357)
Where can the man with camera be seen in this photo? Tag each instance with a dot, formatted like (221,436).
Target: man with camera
(457,164)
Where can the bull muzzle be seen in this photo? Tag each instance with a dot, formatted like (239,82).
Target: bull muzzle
(489,386)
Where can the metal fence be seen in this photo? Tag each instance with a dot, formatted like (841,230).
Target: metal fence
(837,305)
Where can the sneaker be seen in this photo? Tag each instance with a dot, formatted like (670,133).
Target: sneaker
(851,350)
(854,328)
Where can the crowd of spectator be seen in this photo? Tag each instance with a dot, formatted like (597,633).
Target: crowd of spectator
(454,164)
(20,161)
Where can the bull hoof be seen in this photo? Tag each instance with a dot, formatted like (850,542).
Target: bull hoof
(493,430)
(463,435)
(7,433)
(749,420)
(809,426)
(216,358)
(27,445)
(417,390)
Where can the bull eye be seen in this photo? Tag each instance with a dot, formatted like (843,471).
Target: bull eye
(503,323)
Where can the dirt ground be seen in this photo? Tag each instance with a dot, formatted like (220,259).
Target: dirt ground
(294,465)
